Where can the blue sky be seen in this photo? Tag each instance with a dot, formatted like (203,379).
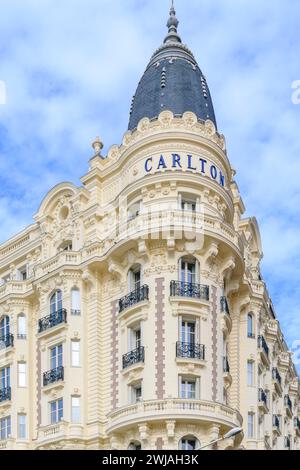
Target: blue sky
(71,68)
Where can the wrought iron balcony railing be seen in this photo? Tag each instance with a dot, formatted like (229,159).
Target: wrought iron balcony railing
(263,397)
(186,289)
(288,402)
(134,297)
(5,394)
(75,312)
(263,345)
(134,357)
(190,350)
(224,306)
(287,443)
(52,320)
(276,376)
(276,422)
(19,336)
(226,367)
(53,375)
(6,341)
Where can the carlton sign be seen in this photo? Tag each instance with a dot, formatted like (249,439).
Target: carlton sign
(184,162)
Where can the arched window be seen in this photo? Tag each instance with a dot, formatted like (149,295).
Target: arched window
(75,302)
(56,302)
(135,445)
(250,326)
(21,326)
(189,443)
(189,269)
(134,278)
(4,327)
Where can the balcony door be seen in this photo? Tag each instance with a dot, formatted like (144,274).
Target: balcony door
(188,332)
(188,272)
(56,357)
(56,302)
(134,279)
(5,378)
(4,327)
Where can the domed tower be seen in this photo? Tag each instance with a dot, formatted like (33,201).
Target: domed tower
(172,81)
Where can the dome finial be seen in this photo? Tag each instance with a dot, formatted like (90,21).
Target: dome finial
(172,26)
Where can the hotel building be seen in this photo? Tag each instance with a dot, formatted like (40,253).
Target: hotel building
(133,312)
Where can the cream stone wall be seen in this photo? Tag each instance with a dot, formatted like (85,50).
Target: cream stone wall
(227,251)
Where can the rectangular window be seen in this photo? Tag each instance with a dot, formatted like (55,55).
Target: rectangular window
(22,426)
(136,393)
(188,205)
(21,327)
(75,409)
(75,299)
(56,411)
(188,272)
(75,353)
(250,373)
(188,332)
(188,389)
(5,428)
(56,356)
(5,377)
(22,374)
(250,425)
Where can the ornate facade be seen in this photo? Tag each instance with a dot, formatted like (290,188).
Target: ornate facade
(133,313)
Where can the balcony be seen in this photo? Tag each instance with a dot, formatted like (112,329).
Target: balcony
(263,400)
(224,306)
(287,443)
(276,377)
(53,376)
(159,411)
(276,425)
(288,406)
(134,298)
(189,290)
(297,426)
(263,349)
(190,351)
(5,394)
(6,341)
(134,357)
(56,318)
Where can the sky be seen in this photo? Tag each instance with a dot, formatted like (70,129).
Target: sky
(70,69)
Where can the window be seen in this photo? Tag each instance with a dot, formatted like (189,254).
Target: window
(22,374)
(56,302)
(225,397)
(188,332)
(22,426)
(188,205)
(21,327)
(135,446)
(5,378)
(56,356)
(134,210)
(5,428)
(75,302)
(250,373)
(4,327)
(136,393)
(134,278)
(22,273)
(188,271)
(189,443)
(188,389)
(56,411)
(75,353)
(66,246)
(75,409)
(250,326)
(250,425)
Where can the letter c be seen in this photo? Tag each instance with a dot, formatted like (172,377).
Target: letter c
(147,169)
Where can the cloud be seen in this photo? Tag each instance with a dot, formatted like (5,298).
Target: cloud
(70,69)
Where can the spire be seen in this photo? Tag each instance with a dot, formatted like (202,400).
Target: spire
(172,26)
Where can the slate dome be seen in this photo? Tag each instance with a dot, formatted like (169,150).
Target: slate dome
(172,81)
